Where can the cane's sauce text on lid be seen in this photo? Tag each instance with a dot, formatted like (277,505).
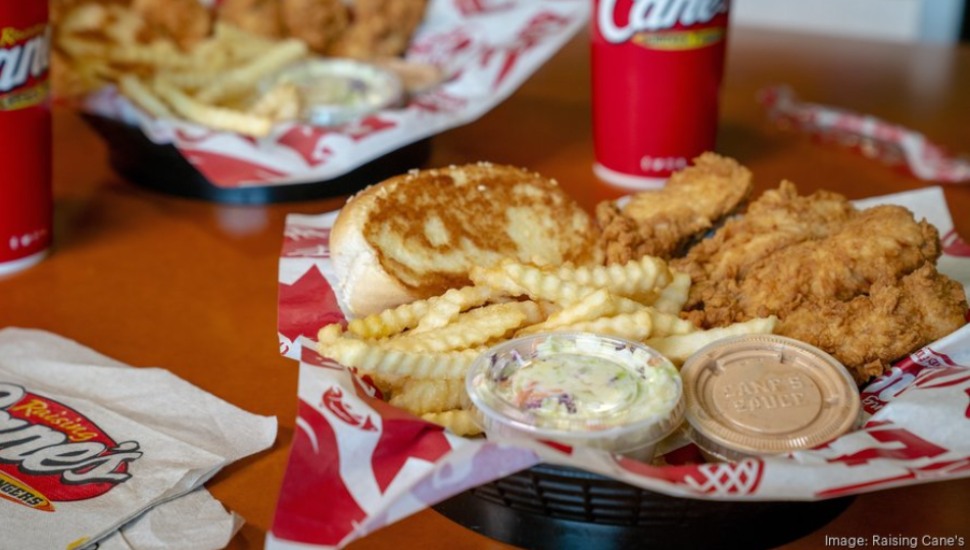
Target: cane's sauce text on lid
(766,394)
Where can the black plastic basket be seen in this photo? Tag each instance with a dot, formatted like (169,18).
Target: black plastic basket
(555,507)
(162,168)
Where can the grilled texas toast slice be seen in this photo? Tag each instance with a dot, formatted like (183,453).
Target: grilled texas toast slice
(418,234)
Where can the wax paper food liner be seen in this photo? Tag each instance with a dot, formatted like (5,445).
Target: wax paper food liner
(892,144)
(486,49)
(88,444)
(378,464)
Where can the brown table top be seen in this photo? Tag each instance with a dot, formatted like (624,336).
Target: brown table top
(154,280)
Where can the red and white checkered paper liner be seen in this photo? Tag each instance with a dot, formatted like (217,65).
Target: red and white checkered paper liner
(488,48)
(357,464)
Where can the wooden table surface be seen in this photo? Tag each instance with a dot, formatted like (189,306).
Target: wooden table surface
(154,280)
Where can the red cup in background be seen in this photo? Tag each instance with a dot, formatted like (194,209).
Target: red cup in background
(657,67)
(26,202)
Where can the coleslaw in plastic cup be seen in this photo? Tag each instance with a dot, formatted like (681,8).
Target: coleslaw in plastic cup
(578,389)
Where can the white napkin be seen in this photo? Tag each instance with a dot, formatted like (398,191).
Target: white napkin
(88,444)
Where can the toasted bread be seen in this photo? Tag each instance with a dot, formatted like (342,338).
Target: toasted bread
(418,234)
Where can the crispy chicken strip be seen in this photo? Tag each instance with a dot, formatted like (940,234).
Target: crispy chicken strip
(872,330)
(777,219)
(883,242)
(380,28)
(185,21)
(260,17)
(660,223)
(319,23)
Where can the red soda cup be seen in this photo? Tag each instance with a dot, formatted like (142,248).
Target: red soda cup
(25,134)
(656,70)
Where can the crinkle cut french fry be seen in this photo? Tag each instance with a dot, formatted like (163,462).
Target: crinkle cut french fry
(78,47)
(599,303)
(372,357)
(596,304)
(495,279)
(458,422)
(679,347)
(281,102)
(213,117)
(537,283)
(243,77)
(635,326)
(631,279)
(390,321)
(142,95)
(664,324)
(161,53)
(445,308)
(429,396)
(673,297)
(471,328)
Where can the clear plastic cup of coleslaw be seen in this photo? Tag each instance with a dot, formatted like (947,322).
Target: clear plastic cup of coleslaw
(337,91)
(578,389)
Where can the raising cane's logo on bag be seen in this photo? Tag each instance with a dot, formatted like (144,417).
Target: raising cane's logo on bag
(51,453)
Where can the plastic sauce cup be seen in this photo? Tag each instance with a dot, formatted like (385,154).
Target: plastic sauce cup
(578,389)
(764,394)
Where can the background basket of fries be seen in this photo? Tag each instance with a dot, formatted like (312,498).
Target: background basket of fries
(192,94)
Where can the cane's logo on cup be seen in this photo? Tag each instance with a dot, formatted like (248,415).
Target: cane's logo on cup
(51,453)
(661,24)
(24,60)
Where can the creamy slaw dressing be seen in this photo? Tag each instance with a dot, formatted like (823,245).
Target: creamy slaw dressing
(601,383)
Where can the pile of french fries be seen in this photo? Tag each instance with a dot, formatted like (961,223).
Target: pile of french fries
(419,353)
(215,82)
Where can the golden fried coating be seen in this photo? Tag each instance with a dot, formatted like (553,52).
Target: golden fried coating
(861,285)
(660,223)
(260,17)
(777,219)
(319,23)
(379,28)
(895,318)
(184,21)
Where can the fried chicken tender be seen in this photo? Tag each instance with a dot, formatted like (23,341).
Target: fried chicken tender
(894,319)
(861,285)
(259,17)
(184,21)
(660,223)
(319,23)
(777,219)
(878,243)
(379,28)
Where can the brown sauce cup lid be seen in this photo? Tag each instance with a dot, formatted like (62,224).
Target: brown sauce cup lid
(767,394)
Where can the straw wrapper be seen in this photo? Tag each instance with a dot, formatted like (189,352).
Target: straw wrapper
(87,445)
(486,50)
(892,144)
(378,464)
